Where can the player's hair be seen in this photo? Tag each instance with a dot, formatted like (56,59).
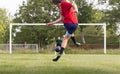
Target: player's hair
(56,1)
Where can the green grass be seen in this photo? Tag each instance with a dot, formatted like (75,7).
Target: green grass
(68,64)
(67,50)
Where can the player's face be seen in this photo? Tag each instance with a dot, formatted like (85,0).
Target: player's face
(58,37)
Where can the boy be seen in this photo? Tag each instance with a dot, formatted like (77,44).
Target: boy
(69,18)
(58,44)
(59,41)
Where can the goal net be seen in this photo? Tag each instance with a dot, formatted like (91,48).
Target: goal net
(41,34)
(20,48)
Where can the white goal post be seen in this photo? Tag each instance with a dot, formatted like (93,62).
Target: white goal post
(12,24)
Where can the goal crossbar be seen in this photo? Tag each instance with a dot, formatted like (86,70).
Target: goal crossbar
(56,24)
(85,24)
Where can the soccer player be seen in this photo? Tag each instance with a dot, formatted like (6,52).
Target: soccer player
(58,44)
(59,41)
(68,16)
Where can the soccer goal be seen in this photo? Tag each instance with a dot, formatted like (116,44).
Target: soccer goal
(4,48)
(43,24)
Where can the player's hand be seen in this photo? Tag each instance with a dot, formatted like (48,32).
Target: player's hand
(49,24)
(76,11)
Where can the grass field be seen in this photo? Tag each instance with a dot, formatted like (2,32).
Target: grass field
(68,64)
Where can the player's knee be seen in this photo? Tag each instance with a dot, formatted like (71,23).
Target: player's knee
(66,37)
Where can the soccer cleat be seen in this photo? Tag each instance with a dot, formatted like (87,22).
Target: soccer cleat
(56,59)
(59,55)
(77,44)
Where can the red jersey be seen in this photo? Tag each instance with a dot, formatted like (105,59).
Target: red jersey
(68,13)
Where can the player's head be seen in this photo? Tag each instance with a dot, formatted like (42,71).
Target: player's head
(59,37)
(56,1)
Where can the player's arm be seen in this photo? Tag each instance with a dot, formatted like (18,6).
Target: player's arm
(54,22)
(75,7)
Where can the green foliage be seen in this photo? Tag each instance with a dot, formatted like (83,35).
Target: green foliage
(111,16)
(115,2)
(85,11)
(43,11)
(88,14)
(36,11)
(42,35)
(4,26)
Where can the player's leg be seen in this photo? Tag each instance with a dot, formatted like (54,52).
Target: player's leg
(74,41)
(64,44)
(70,29)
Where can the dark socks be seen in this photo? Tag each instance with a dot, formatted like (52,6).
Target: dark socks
(73,39)
(61,51)
(59,54)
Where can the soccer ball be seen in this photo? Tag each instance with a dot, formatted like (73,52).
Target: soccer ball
(58,48)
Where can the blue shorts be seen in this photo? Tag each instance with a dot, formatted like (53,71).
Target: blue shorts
(70,28)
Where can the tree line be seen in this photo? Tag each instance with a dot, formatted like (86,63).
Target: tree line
(43,11)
